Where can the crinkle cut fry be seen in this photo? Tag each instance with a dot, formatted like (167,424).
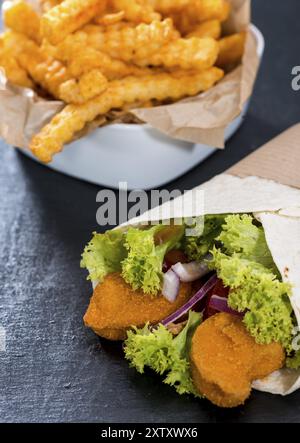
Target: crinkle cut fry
(210,28)
(136,10)
(95,26)
(73,118)
(52,75)
(131,44)
(13,72)
(46,5)
(210,9)
(69,16)
(231,49)
(110,19)
(49,73)
(111,68)
(8,61)
(89,86)
(81,58)
(44,70)
(20,16)
(198,11)
(55,78)
(167,7)
(192,53)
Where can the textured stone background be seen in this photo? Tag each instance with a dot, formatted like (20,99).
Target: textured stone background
(56,370)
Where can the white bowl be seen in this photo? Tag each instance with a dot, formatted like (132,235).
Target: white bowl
(137,154)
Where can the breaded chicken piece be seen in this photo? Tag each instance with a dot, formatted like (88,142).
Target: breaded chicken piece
(225,359)
(115,307)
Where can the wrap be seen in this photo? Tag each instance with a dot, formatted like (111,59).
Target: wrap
(23,114)
(266,183)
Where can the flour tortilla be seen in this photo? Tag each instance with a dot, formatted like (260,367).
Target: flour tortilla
(278,208)
(283,237)
(229,194)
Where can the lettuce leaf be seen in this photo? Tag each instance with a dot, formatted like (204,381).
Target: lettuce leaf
(244,263)
(294,361)
(196,247)
(142,268)
(158,350)
(241,236)
(104,254)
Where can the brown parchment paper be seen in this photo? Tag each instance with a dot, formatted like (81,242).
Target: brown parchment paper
(200,119)
(278,160)
(267,184)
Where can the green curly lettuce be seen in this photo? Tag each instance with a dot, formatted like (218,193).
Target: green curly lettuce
(241,236)
(166,355)
(294,361)
(142,268)
(256,290)
(196,247)
(244,263)
(104,254)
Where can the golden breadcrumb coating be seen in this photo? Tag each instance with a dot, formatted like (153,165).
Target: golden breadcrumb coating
(115,307)
(225,359)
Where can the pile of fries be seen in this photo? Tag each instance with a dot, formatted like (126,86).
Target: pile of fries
(103,56)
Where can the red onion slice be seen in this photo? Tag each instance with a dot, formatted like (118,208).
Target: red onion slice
(195,299)
(189,272)
(220,304)
(171,285)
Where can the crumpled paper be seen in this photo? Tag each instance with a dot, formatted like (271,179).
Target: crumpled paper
(201,119)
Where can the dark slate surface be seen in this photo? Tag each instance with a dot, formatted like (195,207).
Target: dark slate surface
(56,370)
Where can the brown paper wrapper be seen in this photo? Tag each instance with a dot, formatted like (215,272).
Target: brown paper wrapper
(278,160)
(200,119)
